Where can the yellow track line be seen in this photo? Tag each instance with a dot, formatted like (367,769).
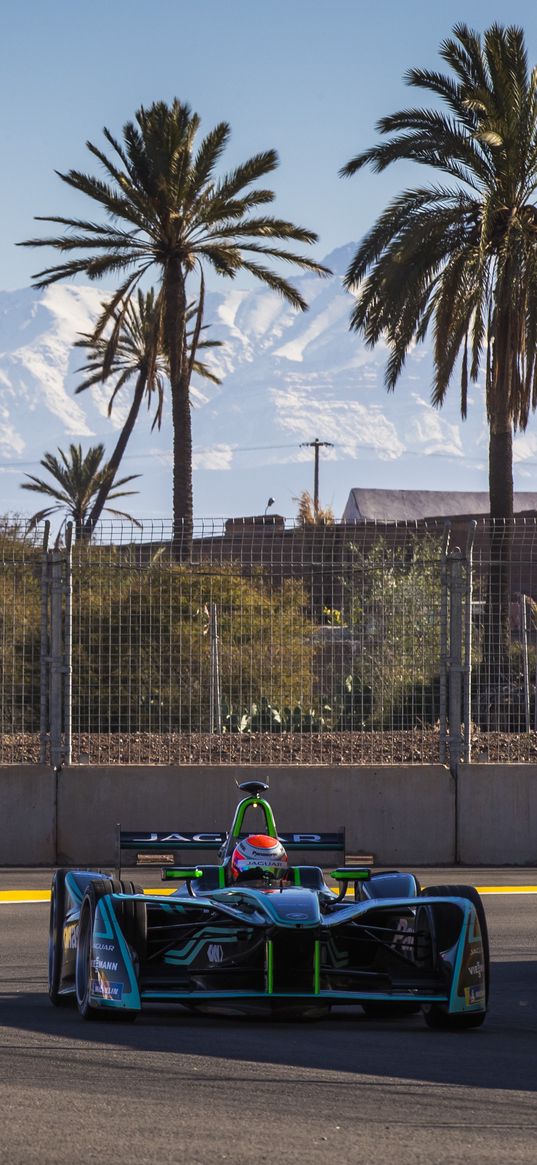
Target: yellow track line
(507,889)
(44,895)
(24,896)
(34,896)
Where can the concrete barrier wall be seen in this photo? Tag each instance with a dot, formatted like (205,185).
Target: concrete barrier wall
(27,816)
(402,815)
(497,815)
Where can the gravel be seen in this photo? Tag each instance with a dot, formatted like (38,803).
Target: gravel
(412,746)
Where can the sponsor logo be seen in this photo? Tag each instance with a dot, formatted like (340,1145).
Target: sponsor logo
(215,953)
(107,990)
(70,938)
(404,935)
(220,838)
(477,969)
(189,838)
(103,965)
(104,946)
(300,838)
(474,994)
(262,861)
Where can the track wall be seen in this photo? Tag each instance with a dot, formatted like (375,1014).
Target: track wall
(400,815)
(403,816)
(497,815)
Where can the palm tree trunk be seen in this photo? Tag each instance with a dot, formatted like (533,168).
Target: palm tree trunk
(175,324)
(117,455)
(497,642)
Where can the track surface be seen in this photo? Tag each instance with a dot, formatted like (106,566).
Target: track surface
(345,1090)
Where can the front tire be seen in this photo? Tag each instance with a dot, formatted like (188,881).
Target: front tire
(437,1016)
(84,956)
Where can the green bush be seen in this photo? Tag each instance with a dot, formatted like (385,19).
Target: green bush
(19,630)
(391,603)
(142,644)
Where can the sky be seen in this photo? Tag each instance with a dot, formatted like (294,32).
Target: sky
(307,77)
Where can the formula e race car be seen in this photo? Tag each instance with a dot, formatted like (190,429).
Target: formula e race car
(253,932)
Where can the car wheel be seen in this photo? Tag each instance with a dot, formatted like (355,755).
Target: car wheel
(83,969)
(132,917)
(55,940)
(437,1015)
(441,1020)
(83,958)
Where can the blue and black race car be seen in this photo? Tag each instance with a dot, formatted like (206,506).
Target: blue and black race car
(252,933)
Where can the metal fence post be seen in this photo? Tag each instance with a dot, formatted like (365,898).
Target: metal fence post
(457,588)
(467,746)
(443,643)
(525,661)
(68,646)
(215,701)
(44,649)
(56,659)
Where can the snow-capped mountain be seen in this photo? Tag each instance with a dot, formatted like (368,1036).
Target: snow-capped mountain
(287,378)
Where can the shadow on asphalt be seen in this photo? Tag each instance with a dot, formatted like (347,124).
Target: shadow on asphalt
(499,1055)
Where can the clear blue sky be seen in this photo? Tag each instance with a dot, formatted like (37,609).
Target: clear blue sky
(308,77)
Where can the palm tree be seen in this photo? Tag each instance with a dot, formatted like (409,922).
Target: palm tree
(165,206)
(134,348)
(462,256)
(77,478)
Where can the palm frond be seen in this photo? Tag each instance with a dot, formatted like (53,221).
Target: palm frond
(464,259)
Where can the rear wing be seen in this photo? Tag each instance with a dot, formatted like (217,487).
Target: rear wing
(162,843)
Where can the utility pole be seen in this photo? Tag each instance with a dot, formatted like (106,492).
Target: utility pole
(316,445)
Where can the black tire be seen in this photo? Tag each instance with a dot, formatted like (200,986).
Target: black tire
(437,1015)
(441,1020)
(55,940)
(94,891)
(132,917)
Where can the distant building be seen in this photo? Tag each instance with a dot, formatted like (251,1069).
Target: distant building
(255,524)
(416,505)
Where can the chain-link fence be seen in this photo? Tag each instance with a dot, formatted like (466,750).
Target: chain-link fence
(262,642)
(22,655)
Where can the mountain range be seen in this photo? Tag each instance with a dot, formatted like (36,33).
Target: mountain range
(286,378)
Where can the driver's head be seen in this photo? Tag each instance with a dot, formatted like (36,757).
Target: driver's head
(258,856)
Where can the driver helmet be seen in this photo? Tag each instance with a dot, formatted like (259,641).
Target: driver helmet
(258,856)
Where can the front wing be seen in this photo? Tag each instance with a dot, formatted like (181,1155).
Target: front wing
(203,950)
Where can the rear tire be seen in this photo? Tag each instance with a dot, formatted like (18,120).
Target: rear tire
(132,917)
(437,1015)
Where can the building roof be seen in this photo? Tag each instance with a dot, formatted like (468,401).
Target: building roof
(410,505)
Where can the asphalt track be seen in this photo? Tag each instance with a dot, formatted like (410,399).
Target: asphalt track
(209,1089)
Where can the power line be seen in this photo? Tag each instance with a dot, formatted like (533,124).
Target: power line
(19,464)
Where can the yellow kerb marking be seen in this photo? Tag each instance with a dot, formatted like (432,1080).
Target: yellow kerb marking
(34,896)
(506,889)
(44,895)
(24,895)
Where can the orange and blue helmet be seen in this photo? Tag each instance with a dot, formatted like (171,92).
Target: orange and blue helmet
(258,856)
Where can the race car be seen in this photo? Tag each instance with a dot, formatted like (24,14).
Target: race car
(254,932)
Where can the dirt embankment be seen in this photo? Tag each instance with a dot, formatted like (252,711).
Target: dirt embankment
(416,746)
